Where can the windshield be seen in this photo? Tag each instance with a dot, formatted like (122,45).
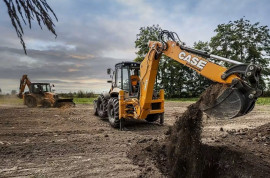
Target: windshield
(37,88)
(46,88)
(125,79)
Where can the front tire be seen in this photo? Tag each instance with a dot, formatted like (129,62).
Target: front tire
(46,104)
(30,102)
(113,112)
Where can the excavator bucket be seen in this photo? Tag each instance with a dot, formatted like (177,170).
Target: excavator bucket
(226,102)
(64,103)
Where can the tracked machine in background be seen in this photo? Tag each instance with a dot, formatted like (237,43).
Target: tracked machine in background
(138,100)
(40,94)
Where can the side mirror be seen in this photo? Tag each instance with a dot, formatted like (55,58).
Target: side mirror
(109,71)
(109,81)
(52,85)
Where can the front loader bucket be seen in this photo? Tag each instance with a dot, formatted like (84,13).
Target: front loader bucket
(64,103)
(236,100)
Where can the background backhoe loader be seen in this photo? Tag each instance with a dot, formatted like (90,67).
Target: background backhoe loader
(129,99)
(40,94)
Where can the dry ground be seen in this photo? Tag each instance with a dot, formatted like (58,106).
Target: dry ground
(74,143)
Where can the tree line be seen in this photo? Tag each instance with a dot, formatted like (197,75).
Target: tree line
(78,94)
(239,40)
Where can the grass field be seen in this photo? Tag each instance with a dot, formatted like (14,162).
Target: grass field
(17,101)
(262,100)
(182,99)
(11,101)
(83,100)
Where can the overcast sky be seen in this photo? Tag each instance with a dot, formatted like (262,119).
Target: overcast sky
(93,35)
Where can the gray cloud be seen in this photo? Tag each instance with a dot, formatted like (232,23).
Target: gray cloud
(93,36)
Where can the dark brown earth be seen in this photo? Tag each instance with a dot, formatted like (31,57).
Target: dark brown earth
(72,142)
(182,153)
(184,144)
(184,147)
(228,157)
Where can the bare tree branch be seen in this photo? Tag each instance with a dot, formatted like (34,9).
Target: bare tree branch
(28,11)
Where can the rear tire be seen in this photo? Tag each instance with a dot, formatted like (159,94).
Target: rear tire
(152,117)
(46,104)
(113,112)
(102,105)
(30,102)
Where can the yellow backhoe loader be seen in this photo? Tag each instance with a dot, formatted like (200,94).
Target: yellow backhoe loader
(130,99)
(40,94)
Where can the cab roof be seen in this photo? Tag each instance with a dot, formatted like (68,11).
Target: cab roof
(128,63)
(40,83)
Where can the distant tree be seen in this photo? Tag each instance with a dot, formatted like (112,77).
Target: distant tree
(239,40)
(146,34)
(198,82)
(13,92)
(89,94)
(176,79)
(80,94)
(0,90)
(27,11)
(243,41)
(70,94)
(149,33)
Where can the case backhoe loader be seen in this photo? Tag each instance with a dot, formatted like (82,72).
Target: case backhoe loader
(139,101)
(40,94)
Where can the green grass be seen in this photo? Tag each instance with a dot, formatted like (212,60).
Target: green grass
(182,99)
(264,101)
(260,101)
(11,101)
(17,101)
(83,100)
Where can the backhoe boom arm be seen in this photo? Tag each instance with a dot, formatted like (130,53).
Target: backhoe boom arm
(23,82)
(197,61)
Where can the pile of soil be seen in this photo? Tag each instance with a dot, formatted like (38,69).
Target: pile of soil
(209,96)
(182,154)
(184,143)
(65,105)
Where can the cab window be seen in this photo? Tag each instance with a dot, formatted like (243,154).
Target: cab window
(126,79)
(118,78)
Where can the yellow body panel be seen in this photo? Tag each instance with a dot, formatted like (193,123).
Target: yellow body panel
(206,68)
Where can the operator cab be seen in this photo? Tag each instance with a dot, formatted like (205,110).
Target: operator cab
(40,88)
(127,77)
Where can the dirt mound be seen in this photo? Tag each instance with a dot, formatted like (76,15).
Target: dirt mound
(182,154)
(65,105)
(184,144)
(184,141)
(209,96)
(216,161)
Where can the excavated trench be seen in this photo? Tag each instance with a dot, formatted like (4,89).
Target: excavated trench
(182,153)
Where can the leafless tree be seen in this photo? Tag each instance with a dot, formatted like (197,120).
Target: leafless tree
(27,11)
